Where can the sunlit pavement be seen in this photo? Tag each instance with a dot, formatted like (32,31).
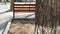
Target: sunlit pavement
(5,18)
(25,15)
(4,7)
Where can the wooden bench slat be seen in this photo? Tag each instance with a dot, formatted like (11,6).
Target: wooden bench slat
(24,7)
(24,10)
(24,4)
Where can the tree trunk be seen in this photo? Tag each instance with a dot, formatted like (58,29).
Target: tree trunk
(11,5)
(46,17)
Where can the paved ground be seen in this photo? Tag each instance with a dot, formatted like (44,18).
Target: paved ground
(4,7)
(26,27)
(25,15)
(5,17)
(22,27)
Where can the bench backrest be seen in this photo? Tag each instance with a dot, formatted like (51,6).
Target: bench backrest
(24,7)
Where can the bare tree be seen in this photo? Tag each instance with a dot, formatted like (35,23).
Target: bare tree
(46,17)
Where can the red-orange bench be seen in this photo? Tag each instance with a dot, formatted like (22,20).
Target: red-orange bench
(24,7)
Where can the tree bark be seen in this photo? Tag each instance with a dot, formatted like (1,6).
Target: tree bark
(46,16)
(11,5)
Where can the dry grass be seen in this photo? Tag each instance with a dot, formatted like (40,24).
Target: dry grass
(22,27)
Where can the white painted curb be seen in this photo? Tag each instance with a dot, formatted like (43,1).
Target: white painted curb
(7,28)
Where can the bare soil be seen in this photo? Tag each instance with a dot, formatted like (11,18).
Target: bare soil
(22,27)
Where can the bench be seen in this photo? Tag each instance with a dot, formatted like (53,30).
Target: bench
(24,7)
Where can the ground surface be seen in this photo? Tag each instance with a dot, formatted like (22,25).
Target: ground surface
(6,17)
(4,7)
(22,27)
